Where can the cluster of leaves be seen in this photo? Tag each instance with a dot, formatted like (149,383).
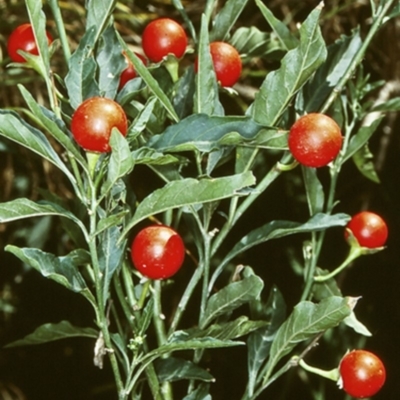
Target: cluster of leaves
(207,162)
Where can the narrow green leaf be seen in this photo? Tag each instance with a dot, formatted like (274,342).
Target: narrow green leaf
(226,19)
(145,155)
(205,133)
(278,229)
(259,342)
(121,161)
(38,21)
(388,106)
(152,83)
(173,369)
(142,119)
(358,141)
(201,393)
(111,253)
(81,78)
(110,61)
(297,67)
(287,39)
(23,208)
(363,159)
(251,42)
(55,126)
(99,13)
(13,127)
(63,270)
(223,331)
(52,332)
(111,220)
(306,321)
(187,192)
(206,99)
(231,297)
(314,190)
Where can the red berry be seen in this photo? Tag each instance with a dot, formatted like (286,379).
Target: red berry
(163,36)
(93,120)
(157,252)
(129,72)
(315,140)
(362,374)
(23,38)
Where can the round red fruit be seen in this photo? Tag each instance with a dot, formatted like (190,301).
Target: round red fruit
(129,72)
(93,121)
(23,38)
(227,63)
(369,229)
(158,252)
(362,374)
(315,140)
(163,36)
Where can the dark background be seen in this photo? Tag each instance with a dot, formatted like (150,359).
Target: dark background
(64,370)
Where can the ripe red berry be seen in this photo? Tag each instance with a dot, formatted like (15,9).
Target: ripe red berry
(315,140)
(163,36)
(369,229)
(362,374)
(23,38)
(93,120)
(157,252)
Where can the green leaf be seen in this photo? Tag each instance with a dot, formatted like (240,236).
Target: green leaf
(145,155)
(23,208)
(363,159)
(152,83)
(352,322)
(205,133)
(111,253)
(110,220)
(54,126)
(110,61)
(17,130)
(99,13)
(142,119)
(52,332)
(173,369)
(340,56)
(287,40)
(121,161)
(231,297)
(306,321)
(224,331)
(185,88)
(63,270)
(187,192)
(201,393)
(297,67)
(314,190)
(226,19)
(38,21)
(260,341)
(278,229)
(81,78)
(358,141)
(392,105)
(251,42)
(206,99)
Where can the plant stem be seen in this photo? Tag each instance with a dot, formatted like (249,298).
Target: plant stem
(55,8)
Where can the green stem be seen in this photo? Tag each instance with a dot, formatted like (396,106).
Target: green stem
(354,253)
(55,8)
(332,374)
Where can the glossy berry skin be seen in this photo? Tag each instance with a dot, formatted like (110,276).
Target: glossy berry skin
(369,229)
(362,374)
(157,252)
(315,140)
(22,38)
(227,63)
(93,120)
(129,72)
(163,36)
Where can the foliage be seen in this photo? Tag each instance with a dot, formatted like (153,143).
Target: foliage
(210,166)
